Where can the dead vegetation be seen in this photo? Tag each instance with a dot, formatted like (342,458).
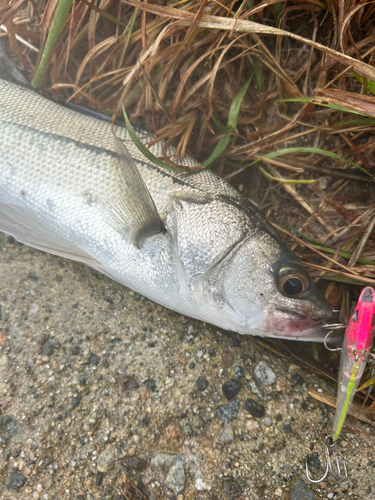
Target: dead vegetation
(299,139)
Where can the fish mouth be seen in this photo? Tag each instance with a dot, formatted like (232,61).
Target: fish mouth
(285,323)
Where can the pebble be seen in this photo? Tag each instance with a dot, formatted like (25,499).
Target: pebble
(128,384)
(172,436)
(297,379)
(231,388)
(170,469)
(34,308)
(227,435)
(186,429)
(150,384)
(279,492)
(229,411)
(282,384)
(10,426)
(299,492)
(228,359)
(201,384)
(47,483)
(267,421)
(313,460)
(234,342)
(136,463)
(201,485)
(94,360)
(233,490)
(252,425)
(255,409)
(15,480)
(49,346)
(287,428)
(264,374)
(254,389)
(239,371)
(105,459)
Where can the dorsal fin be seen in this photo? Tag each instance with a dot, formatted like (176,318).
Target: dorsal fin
(9,72)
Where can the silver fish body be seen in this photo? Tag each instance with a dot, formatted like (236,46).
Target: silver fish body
(64,189)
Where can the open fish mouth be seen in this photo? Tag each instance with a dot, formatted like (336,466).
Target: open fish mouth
(296,325)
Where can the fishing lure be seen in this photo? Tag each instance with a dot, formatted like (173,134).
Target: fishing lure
(355,354)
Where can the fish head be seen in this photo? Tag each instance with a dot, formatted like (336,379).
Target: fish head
(242,277)
(265,290)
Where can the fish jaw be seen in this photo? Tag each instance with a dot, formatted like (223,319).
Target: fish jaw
(295,325)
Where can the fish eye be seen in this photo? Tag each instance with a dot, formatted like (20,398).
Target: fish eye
(355,315)
(293,286)
(293,282)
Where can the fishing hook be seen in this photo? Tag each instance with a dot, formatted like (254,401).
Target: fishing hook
(337,476)
(329,348)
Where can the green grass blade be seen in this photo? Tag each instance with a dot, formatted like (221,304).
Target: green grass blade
(344,279)
(368,85)
(258,70)
(290,182)
(369,382)
(126,42)
(319,246)
(105,14)
(218,124)
(312,100)
(277,9)
(231,125)
(304,236)
(346,255)
(144,149)
(220,147)
(62,10)
(358,121)
(318,151)
(235,107)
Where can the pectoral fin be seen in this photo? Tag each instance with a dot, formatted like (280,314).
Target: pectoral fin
(134,212)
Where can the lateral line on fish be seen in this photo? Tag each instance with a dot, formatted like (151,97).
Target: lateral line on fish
(66,140)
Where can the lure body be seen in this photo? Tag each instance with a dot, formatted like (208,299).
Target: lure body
(358,340)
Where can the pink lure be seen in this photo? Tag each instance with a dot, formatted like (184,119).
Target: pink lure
(360,329)
(355,352)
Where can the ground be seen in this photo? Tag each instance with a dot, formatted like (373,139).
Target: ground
(92,375)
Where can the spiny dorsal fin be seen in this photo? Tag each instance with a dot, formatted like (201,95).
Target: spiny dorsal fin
(9,72)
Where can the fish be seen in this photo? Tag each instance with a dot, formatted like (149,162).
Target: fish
(73,186)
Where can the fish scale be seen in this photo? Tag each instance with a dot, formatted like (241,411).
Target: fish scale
(65,188)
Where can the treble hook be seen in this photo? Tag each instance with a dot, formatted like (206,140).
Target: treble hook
(326,340)
(329,443)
